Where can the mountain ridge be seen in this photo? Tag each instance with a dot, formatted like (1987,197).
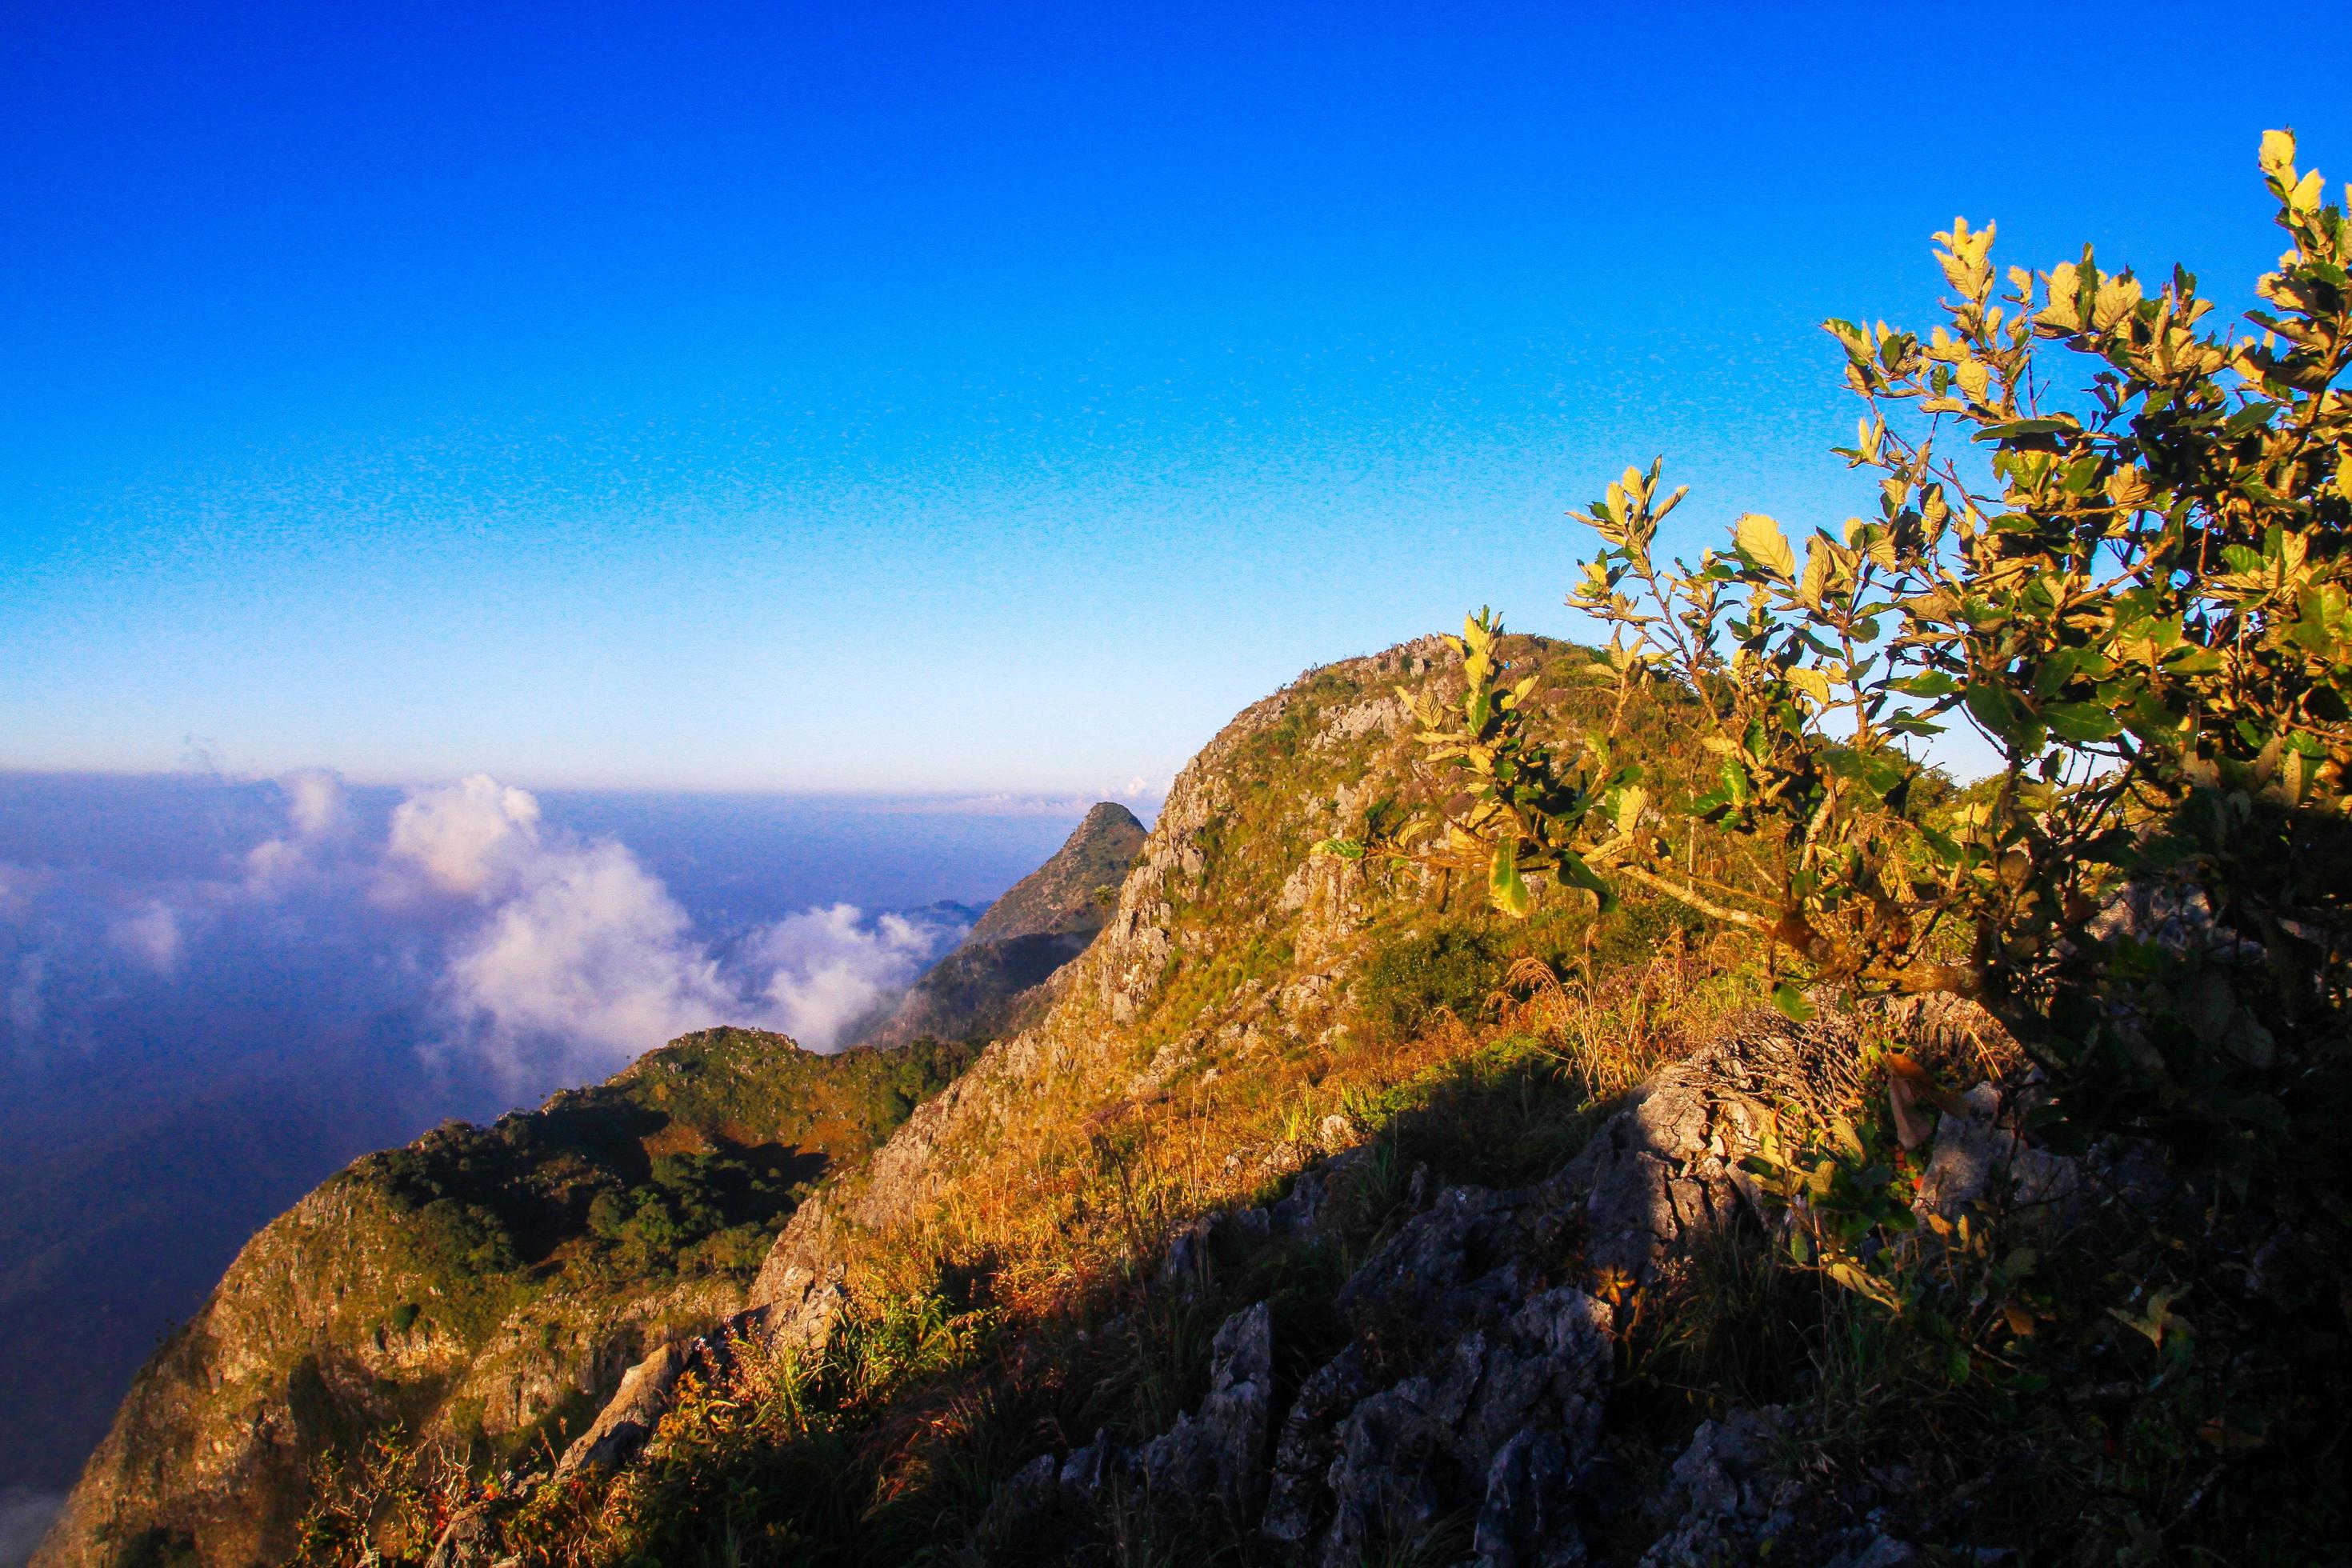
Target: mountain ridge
(479,1286)
(1319,1213)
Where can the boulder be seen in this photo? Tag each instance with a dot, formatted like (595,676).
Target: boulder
(1975,1152)
(1308,1443)
(1726,1501)
(1528,1518)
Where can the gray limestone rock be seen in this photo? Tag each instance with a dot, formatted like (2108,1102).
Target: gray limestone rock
(1395,1476)
(1017,1505)
(1085,1471)
(1975,1152)
(1533,1372)
(1641,1194)
(1452,1266)
(1218,1452)
(1527,1519)
(1308,1443)
(1726,1501)
(471,1541)
(800,1291)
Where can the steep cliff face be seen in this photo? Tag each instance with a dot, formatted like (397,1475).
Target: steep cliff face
(484,1288)
(1042,922)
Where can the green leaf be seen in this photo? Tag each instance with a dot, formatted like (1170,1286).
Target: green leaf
(2056,671)
(2001,710)
(1791,1003)
(1505,886)
(1945,847)
(2081,722)
(2016,428)
(1575,872)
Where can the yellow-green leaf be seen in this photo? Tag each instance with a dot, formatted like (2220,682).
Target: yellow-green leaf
(2277,153)
(1760,539)
(1505,886)
(1629,804)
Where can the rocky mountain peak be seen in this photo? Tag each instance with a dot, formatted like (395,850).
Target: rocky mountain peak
(1072,890)
(1042,922)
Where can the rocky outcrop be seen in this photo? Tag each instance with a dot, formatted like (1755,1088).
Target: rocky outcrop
(629,1417)
(1474,1383)
(1213,1456)
(1476,1379)
(1977,1148)
(1219,1451)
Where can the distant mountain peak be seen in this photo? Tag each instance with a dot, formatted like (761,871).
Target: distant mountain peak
(1064,895)
(1042,922)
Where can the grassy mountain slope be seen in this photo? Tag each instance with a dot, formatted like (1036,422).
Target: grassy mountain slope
(989,1281)
(1313,1222)
(1282,1238)
(481,1288)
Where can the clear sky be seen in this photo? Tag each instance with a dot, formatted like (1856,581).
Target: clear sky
(983,396)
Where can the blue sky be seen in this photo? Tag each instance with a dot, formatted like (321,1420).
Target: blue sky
(868,397)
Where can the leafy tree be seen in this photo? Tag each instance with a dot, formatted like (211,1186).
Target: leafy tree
(2135,591)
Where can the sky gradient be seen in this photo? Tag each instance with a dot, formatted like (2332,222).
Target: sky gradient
(868,397)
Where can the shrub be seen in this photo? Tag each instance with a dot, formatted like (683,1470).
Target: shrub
(2141,596)
(2137,594)
(1406,982)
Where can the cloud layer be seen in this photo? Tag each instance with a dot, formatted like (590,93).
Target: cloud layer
(522,951)
(580,958)
(213,993)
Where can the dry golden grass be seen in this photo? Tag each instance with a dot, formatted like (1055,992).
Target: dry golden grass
(1074,1193)
(1616,1029)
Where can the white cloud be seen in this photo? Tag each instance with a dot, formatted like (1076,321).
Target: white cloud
(828,968)
(316,815)
(583,960)
(151,935)
(466,837)
(583,963)
(26,1005)
(523,949)
(314,804)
